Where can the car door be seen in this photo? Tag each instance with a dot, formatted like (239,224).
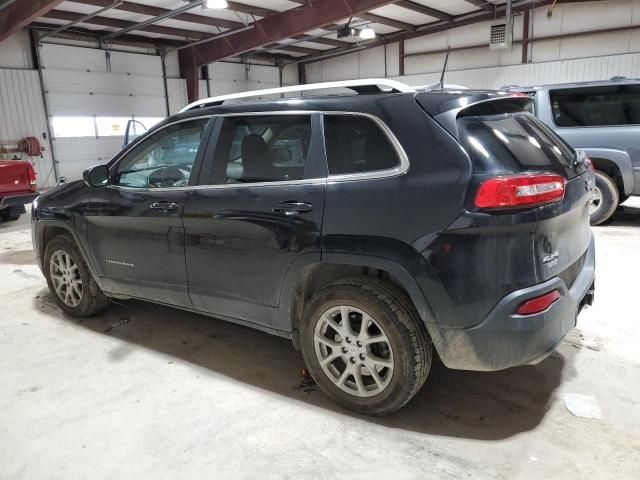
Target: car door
(255,215)
(135,224)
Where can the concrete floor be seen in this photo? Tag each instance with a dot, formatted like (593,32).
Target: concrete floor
(144,391)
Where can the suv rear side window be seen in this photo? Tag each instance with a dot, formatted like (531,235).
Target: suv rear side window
(596,106)
(262,148)
(356,144)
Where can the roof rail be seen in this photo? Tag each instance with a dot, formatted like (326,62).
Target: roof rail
(368,85)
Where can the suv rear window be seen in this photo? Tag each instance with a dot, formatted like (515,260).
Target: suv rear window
(355,144)
(514,142)
(596,106)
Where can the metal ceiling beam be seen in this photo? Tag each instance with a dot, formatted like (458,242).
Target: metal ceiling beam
(486,6)
(269,30)
(423,9)
(372,17)
(18,15)
(117,23)
(126,26)
(76,32)
(283,25)
(140,25)
(439,26)
(80,20)
(153,11)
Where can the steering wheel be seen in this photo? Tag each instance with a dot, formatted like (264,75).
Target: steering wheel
(170,176)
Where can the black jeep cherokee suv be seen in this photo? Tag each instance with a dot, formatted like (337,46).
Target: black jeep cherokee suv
(371,229)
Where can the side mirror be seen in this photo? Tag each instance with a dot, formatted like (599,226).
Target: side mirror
(96,176)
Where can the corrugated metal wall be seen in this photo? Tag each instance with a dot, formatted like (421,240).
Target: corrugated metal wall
(86,82)
(22,115)
(578,70)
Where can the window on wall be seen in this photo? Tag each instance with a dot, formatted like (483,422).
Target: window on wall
(265,148)
(73,127)
(67,127)
(595,106)
(356,144)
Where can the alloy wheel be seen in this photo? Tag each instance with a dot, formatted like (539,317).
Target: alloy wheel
(66,279)
(596,201)
(353,351)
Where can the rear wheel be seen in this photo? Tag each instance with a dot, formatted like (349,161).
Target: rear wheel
(365,345)
(605,198)
(70,281)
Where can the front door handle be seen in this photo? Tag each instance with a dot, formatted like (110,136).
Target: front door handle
(166,206)
(292,208)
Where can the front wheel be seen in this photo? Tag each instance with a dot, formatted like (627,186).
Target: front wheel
(365,345)
(10,214)
(70,281)
(605,198)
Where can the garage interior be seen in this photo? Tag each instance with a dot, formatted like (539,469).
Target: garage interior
(146,391)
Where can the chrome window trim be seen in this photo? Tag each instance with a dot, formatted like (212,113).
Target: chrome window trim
(401,169)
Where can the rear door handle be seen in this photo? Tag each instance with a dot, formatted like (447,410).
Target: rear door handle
(292,208)
(167,206)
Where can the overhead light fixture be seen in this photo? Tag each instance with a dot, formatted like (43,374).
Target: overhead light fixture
(367,33)
(215,4)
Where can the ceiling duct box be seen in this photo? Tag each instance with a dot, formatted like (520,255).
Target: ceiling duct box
(501,35)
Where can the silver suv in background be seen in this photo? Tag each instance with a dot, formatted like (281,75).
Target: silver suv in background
(603,120)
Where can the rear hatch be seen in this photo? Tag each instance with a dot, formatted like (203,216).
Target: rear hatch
(16,176)
(503,139)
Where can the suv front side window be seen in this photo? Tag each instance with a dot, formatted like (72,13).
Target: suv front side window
(356,144)
(164,159)
(262,148)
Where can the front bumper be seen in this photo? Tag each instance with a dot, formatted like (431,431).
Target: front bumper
(14,200)
(504,339)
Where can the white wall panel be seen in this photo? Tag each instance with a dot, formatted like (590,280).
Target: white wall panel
(92,82)
(22,115)
(77,154)
(582,69)
(15,51)
(63,57)
(177,90)
(566,19)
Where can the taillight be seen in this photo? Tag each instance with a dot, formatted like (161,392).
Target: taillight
(32,178)
(538,304)
(506,191)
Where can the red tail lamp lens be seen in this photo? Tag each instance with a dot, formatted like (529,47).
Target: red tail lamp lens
(538,304)
(520,190)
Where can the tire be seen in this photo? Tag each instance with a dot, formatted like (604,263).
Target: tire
(401,360)
(86,299)
(606,198)
(9,214)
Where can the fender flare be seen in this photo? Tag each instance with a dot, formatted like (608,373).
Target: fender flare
(622,161)
(400,273)
(39,237)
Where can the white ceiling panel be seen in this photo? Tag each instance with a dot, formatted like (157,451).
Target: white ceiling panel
(452,7)
(404,15)
(311,44)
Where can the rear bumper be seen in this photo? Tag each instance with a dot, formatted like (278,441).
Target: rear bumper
(23,199)
(504,339)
